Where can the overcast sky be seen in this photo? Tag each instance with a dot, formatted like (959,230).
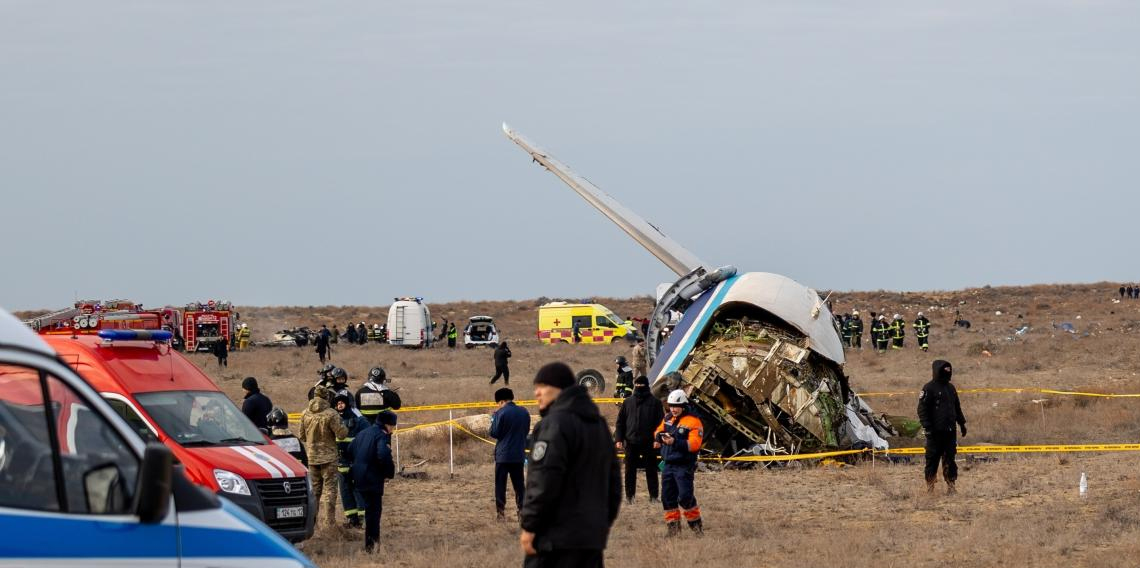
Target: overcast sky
(297,152)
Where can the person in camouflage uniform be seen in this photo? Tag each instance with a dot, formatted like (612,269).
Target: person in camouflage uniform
(320,428)
(637,357)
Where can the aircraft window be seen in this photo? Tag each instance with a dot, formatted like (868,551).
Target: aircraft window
(99,468)
(131,417)
(27,471)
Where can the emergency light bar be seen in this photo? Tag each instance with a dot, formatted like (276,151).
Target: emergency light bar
(135,334)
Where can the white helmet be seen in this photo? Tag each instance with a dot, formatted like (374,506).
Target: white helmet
(243,326)
(919,314)
(855,313)
(677,398)
(375,326)
(896,316)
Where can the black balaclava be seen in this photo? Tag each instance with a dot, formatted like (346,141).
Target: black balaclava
(942,370)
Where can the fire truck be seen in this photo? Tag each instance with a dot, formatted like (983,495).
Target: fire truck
(206,323)
(88,317)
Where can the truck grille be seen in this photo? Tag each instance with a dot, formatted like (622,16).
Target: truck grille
(273,495)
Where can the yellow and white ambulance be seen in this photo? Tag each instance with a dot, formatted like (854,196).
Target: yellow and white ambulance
(560,322)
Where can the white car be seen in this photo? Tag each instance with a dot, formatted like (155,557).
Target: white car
(480,331)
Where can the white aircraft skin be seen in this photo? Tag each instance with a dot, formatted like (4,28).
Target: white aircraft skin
(783,297)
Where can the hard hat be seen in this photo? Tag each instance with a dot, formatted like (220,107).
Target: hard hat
(882,317)
(620,360)
(277,418)
(339,373)
(896,316)
(919,314)
(377,375)
(243,326)
(375,326)
(326,369)
(677,398)
(855,313)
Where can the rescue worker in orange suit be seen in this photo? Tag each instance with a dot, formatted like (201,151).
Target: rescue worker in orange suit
(939,412)
(679,437)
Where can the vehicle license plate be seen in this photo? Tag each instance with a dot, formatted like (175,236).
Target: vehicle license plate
(290,512)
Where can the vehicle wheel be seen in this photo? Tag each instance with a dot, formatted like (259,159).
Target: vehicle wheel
(468,345)
(493,345)
(593,381)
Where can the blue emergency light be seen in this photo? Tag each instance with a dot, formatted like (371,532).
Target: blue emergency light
(135,334)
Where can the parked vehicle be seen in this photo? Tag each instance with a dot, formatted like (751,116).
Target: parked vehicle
(480,331)
(596,324)
(79,487)
(409,323)
(165,398)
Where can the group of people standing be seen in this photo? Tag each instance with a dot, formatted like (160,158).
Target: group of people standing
(884,335)
(573,488)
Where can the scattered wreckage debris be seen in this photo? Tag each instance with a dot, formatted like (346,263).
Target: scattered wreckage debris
(767,393)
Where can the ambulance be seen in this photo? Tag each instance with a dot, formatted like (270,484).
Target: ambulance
(165,398)
(79,487)
(596,324)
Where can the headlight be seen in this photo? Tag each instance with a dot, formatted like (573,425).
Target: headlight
(231,482)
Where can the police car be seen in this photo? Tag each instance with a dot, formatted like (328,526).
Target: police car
(97,495)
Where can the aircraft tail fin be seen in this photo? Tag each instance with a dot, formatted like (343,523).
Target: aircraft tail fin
(675,256)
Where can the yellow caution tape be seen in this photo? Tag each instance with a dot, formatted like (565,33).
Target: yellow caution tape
(1046,448)
(1033,390)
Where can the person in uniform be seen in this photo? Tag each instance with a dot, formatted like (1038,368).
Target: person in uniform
(636,422)
(370,454)
(679,437)
(638,358)
(375,396)
(573,486)
(320,428)
(355,423)
(279,432)
(510,425)
(939,412)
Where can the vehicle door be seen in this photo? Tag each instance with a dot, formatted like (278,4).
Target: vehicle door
(68,477)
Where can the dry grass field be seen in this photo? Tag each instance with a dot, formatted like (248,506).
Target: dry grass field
(1012,509)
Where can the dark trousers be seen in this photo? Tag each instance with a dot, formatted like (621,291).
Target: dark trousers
(941,446)
(857,341)
(373,506)
(566,559)
(677,486)
(923,342)
(645,457)
(515,472)
(504,372)
(352,500)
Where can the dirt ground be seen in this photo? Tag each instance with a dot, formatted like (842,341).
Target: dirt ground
(1013,509)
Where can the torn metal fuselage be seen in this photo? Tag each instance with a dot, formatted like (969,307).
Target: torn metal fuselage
(760,388)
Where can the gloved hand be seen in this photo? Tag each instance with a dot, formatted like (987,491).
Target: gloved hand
(963,427)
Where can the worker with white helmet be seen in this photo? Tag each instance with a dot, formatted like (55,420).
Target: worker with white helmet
(922,331)
(898,332)
(679,437)
(855,330)
(243,336)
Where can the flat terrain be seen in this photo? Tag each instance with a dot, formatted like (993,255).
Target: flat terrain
(1013,509)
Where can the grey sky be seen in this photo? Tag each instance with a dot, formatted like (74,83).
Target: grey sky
(289,152)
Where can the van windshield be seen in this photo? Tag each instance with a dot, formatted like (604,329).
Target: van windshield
(200,418)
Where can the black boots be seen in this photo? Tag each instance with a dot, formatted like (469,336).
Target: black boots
(674,528)
(697,527)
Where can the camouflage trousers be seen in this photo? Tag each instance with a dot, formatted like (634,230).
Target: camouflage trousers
(324,477)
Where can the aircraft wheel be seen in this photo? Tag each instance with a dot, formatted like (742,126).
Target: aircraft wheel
(592,380)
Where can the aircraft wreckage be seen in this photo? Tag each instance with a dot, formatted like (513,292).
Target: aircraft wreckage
(758,354)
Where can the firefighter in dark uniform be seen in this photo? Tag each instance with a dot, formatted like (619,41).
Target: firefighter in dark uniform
(281,435)
(623,386)
(855,323)
(573,485)
(879,333)
(679,437)
(939,412)
(324,379)
(355,423)
(922,331)
(844,323)
(375,396)
(636,422)
(339,387)
(898,332)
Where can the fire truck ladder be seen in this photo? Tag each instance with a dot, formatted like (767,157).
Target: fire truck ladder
(398,324)
(47,320)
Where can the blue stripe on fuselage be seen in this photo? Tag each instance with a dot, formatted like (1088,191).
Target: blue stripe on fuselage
(693,321)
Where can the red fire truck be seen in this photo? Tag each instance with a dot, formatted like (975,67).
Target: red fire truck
(206,323)
(87,317)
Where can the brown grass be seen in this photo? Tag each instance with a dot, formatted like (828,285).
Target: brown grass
(1019,510)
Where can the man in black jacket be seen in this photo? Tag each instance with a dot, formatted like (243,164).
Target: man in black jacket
(638,418)
(939,412)
(370,456)
(573,489)
(256,406)
(502,355)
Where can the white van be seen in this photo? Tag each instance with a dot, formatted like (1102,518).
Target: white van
(409,323)
(78,487)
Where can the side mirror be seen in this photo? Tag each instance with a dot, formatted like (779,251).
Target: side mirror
(152,500)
